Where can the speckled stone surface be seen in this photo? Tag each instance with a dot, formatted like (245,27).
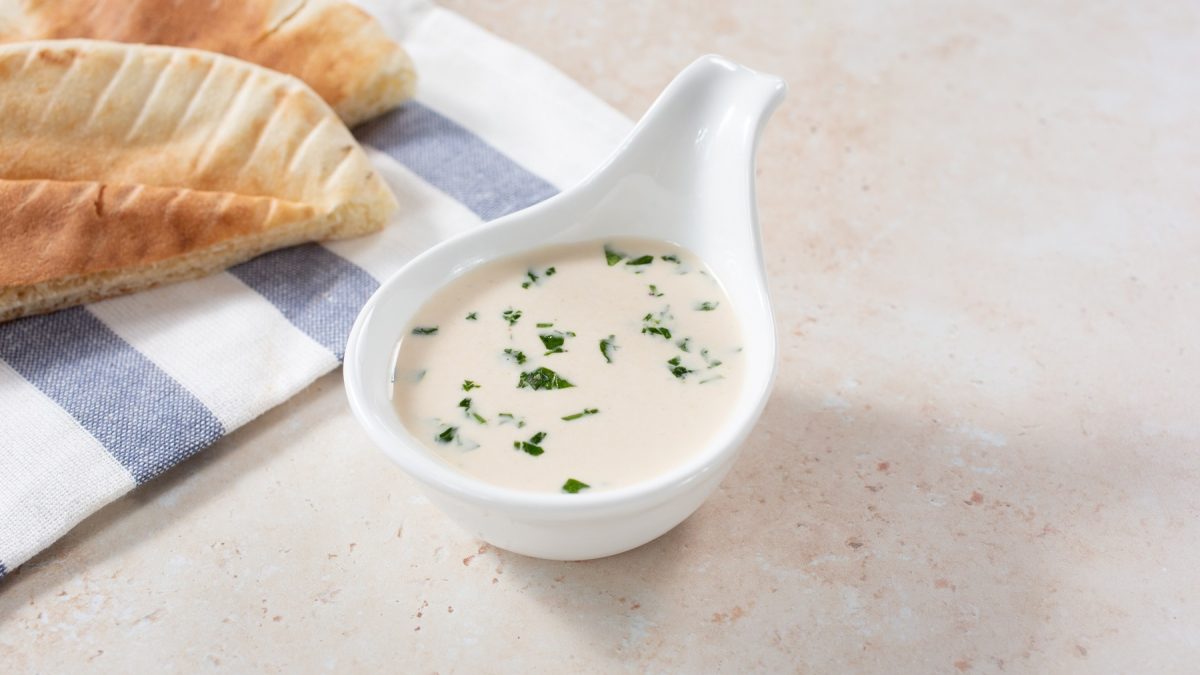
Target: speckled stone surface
(982,454)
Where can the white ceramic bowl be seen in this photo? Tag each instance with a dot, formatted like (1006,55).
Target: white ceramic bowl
(685,174)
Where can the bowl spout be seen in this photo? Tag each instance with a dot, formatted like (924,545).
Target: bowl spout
(703,130)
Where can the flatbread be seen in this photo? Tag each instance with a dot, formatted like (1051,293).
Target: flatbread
(125,166)
(339,50)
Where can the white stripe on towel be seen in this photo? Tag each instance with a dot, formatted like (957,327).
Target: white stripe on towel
(55,473)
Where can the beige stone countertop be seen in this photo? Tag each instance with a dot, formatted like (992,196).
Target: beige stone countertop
(982,225)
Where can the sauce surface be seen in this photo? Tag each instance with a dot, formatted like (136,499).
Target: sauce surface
(572,368)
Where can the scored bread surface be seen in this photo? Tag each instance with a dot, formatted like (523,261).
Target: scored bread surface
(335,47)
(125,166)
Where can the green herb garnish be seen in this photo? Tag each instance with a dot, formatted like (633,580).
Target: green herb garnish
(516,355)
(685,345)
(412,376)
(678,369)
(448,434)
(584,413)
(573,486)
(512,316)
(531,446)
(473,316)
(652,325)
(469,385)
(654,292)
(545,325)
(712,379)
(706,306)
(430,330)
(531,279)
(542,378)
(672,258)
(608,345)
(554,341)
(465,404)
(641,260)
(712,363)
(612,256)
(509,418)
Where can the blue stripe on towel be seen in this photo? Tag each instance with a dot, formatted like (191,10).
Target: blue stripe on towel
(455,161)
(321,292)
(143,417)
(317,290)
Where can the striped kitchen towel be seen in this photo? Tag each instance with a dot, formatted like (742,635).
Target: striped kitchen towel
(97,400)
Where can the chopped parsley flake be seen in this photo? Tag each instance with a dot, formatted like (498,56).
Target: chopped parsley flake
(469,385)
(657,330)
(512,316)
(528,448)
(608,345)
(542,378)
(672,258)
(712,379)
(584,413)
(706,306)
(473,316)
(554,341)
(712,363)
(531,446)
(425,330)
(509,418)
(654,292)
(573,486)
(516,355)
(532,279)
(641,260)
(448,434)
(412,376)
(612,257)
(652,325)
(685,345)
(465,404)
(678,369)
(546,325)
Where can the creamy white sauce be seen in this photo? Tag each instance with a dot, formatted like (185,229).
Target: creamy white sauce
(653,412)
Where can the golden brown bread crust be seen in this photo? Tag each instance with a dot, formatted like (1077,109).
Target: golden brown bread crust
(114,239)
(335,47)
(124,166)
(86,227)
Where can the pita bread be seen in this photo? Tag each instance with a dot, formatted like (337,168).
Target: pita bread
(125,166)
(339,50)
